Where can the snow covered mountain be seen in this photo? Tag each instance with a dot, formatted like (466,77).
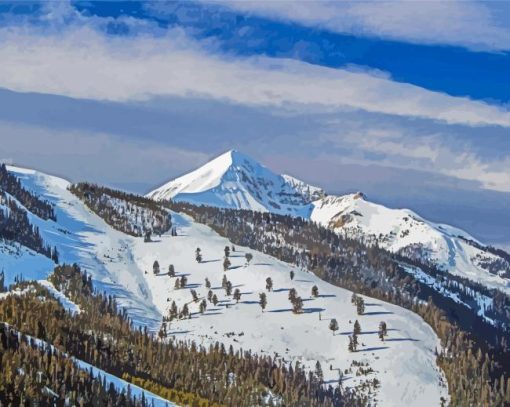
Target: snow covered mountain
(118,263)
(234,180)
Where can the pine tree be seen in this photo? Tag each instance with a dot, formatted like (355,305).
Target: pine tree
(226,264)
(292,294)
(224,282)
(383,331)
(203,306)
(315,291)
(171,270)
(184,281)
(357,328)
(297,305)
(194,295)
(227,251)
(262,301)
(354,299)
(292,274)
(155,267)
(228,288)
(269,284)
(210,295)
(360,306)
(237,294)
(333,325)
(318,372)
(198,255)
(215,300)
(248,257)
(207,283)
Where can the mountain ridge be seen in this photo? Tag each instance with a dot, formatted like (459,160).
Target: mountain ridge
(398,230)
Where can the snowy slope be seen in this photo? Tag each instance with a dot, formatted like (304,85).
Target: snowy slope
(402,230)
(234,180)
(83,238)
(404,364)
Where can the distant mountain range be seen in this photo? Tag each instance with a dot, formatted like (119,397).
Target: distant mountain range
(234,180)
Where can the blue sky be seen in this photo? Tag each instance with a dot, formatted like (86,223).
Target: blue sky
(406,101)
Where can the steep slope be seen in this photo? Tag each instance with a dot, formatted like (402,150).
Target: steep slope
(234,180)
(404,365)
(84,238)
(403,231)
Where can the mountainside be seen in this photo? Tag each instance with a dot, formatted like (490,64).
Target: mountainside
(122,265)
(234,180)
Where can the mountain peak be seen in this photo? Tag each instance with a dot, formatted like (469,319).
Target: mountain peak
(235,180)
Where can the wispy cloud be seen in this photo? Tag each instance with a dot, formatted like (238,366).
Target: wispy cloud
(467,23)
(84,63)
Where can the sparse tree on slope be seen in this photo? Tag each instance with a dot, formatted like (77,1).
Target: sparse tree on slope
(198,255)
(237,294)
(207,283)
(171,270)
(248,257)
(360,306)
(227,251)
(226,264)
(203,306)
(333,325)
(263,301)
(297,305)
(315,291)
(292,274)
(155,267)
(357,328)
(269,284)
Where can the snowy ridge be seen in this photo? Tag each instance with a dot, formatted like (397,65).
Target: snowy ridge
(403,231)
(234,180)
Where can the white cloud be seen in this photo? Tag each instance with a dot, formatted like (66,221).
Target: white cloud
(92,156)
(466,23)
(83,63)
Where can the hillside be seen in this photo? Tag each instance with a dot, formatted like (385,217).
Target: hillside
(234,180)
(122,265)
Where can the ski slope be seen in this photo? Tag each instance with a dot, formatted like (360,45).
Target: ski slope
(121,265)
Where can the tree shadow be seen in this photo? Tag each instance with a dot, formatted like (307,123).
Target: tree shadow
(281,310)
(313,310)
(280,290)
(303,281)
(262,264)
(327,296)
(249,302)
(372,304)
(401,340)
(193,285)
(178,333)
(210,261)
(234,267)
(378,313)
(365,332)
(212,313)
(374,349)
